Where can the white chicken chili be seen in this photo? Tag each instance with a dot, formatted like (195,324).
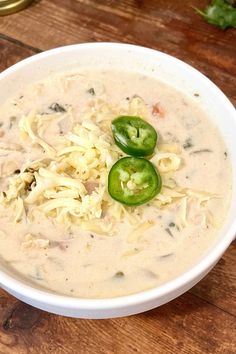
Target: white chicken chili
(65,226)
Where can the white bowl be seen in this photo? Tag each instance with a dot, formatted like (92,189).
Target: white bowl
(184,78)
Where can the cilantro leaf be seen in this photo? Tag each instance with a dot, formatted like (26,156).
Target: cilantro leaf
(220,13)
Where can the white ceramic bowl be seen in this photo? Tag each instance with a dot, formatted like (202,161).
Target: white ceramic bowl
(184,78)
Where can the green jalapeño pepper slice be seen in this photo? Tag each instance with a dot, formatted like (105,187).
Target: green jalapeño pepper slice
(133,181)
(134,136)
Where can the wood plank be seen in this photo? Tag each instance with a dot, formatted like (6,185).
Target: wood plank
(187,325)
(200,321)
(11,53)
(167,26)
(219,286)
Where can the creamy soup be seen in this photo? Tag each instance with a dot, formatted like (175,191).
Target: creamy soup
(59,227)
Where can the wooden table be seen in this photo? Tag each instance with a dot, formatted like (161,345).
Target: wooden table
(204,319)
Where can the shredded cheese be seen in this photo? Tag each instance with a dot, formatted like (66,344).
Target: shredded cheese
(135,235)
(26,126)
(69,183)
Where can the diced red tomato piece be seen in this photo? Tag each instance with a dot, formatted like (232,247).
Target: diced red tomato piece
(158,111)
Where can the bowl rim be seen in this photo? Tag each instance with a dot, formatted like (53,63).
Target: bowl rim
(203,266)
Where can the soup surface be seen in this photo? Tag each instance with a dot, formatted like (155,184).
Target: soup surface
(59,227)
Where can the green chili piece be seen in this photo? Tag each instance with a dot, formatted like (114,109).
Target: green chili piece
(134,136)
(133,181)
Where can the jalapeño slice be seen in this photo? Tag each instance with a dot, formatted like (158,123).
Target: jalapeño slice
(133,181)
(134,136)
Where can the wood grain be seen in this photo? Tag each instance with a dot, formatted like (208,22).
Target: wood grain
(219,286)
(168,26)
(200,321)
(11,53)
(187,323)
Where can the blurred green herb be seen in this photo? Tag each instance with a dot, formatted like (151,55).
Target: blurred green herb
(221,13)
(119,275)
(91,91)
(56,107)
